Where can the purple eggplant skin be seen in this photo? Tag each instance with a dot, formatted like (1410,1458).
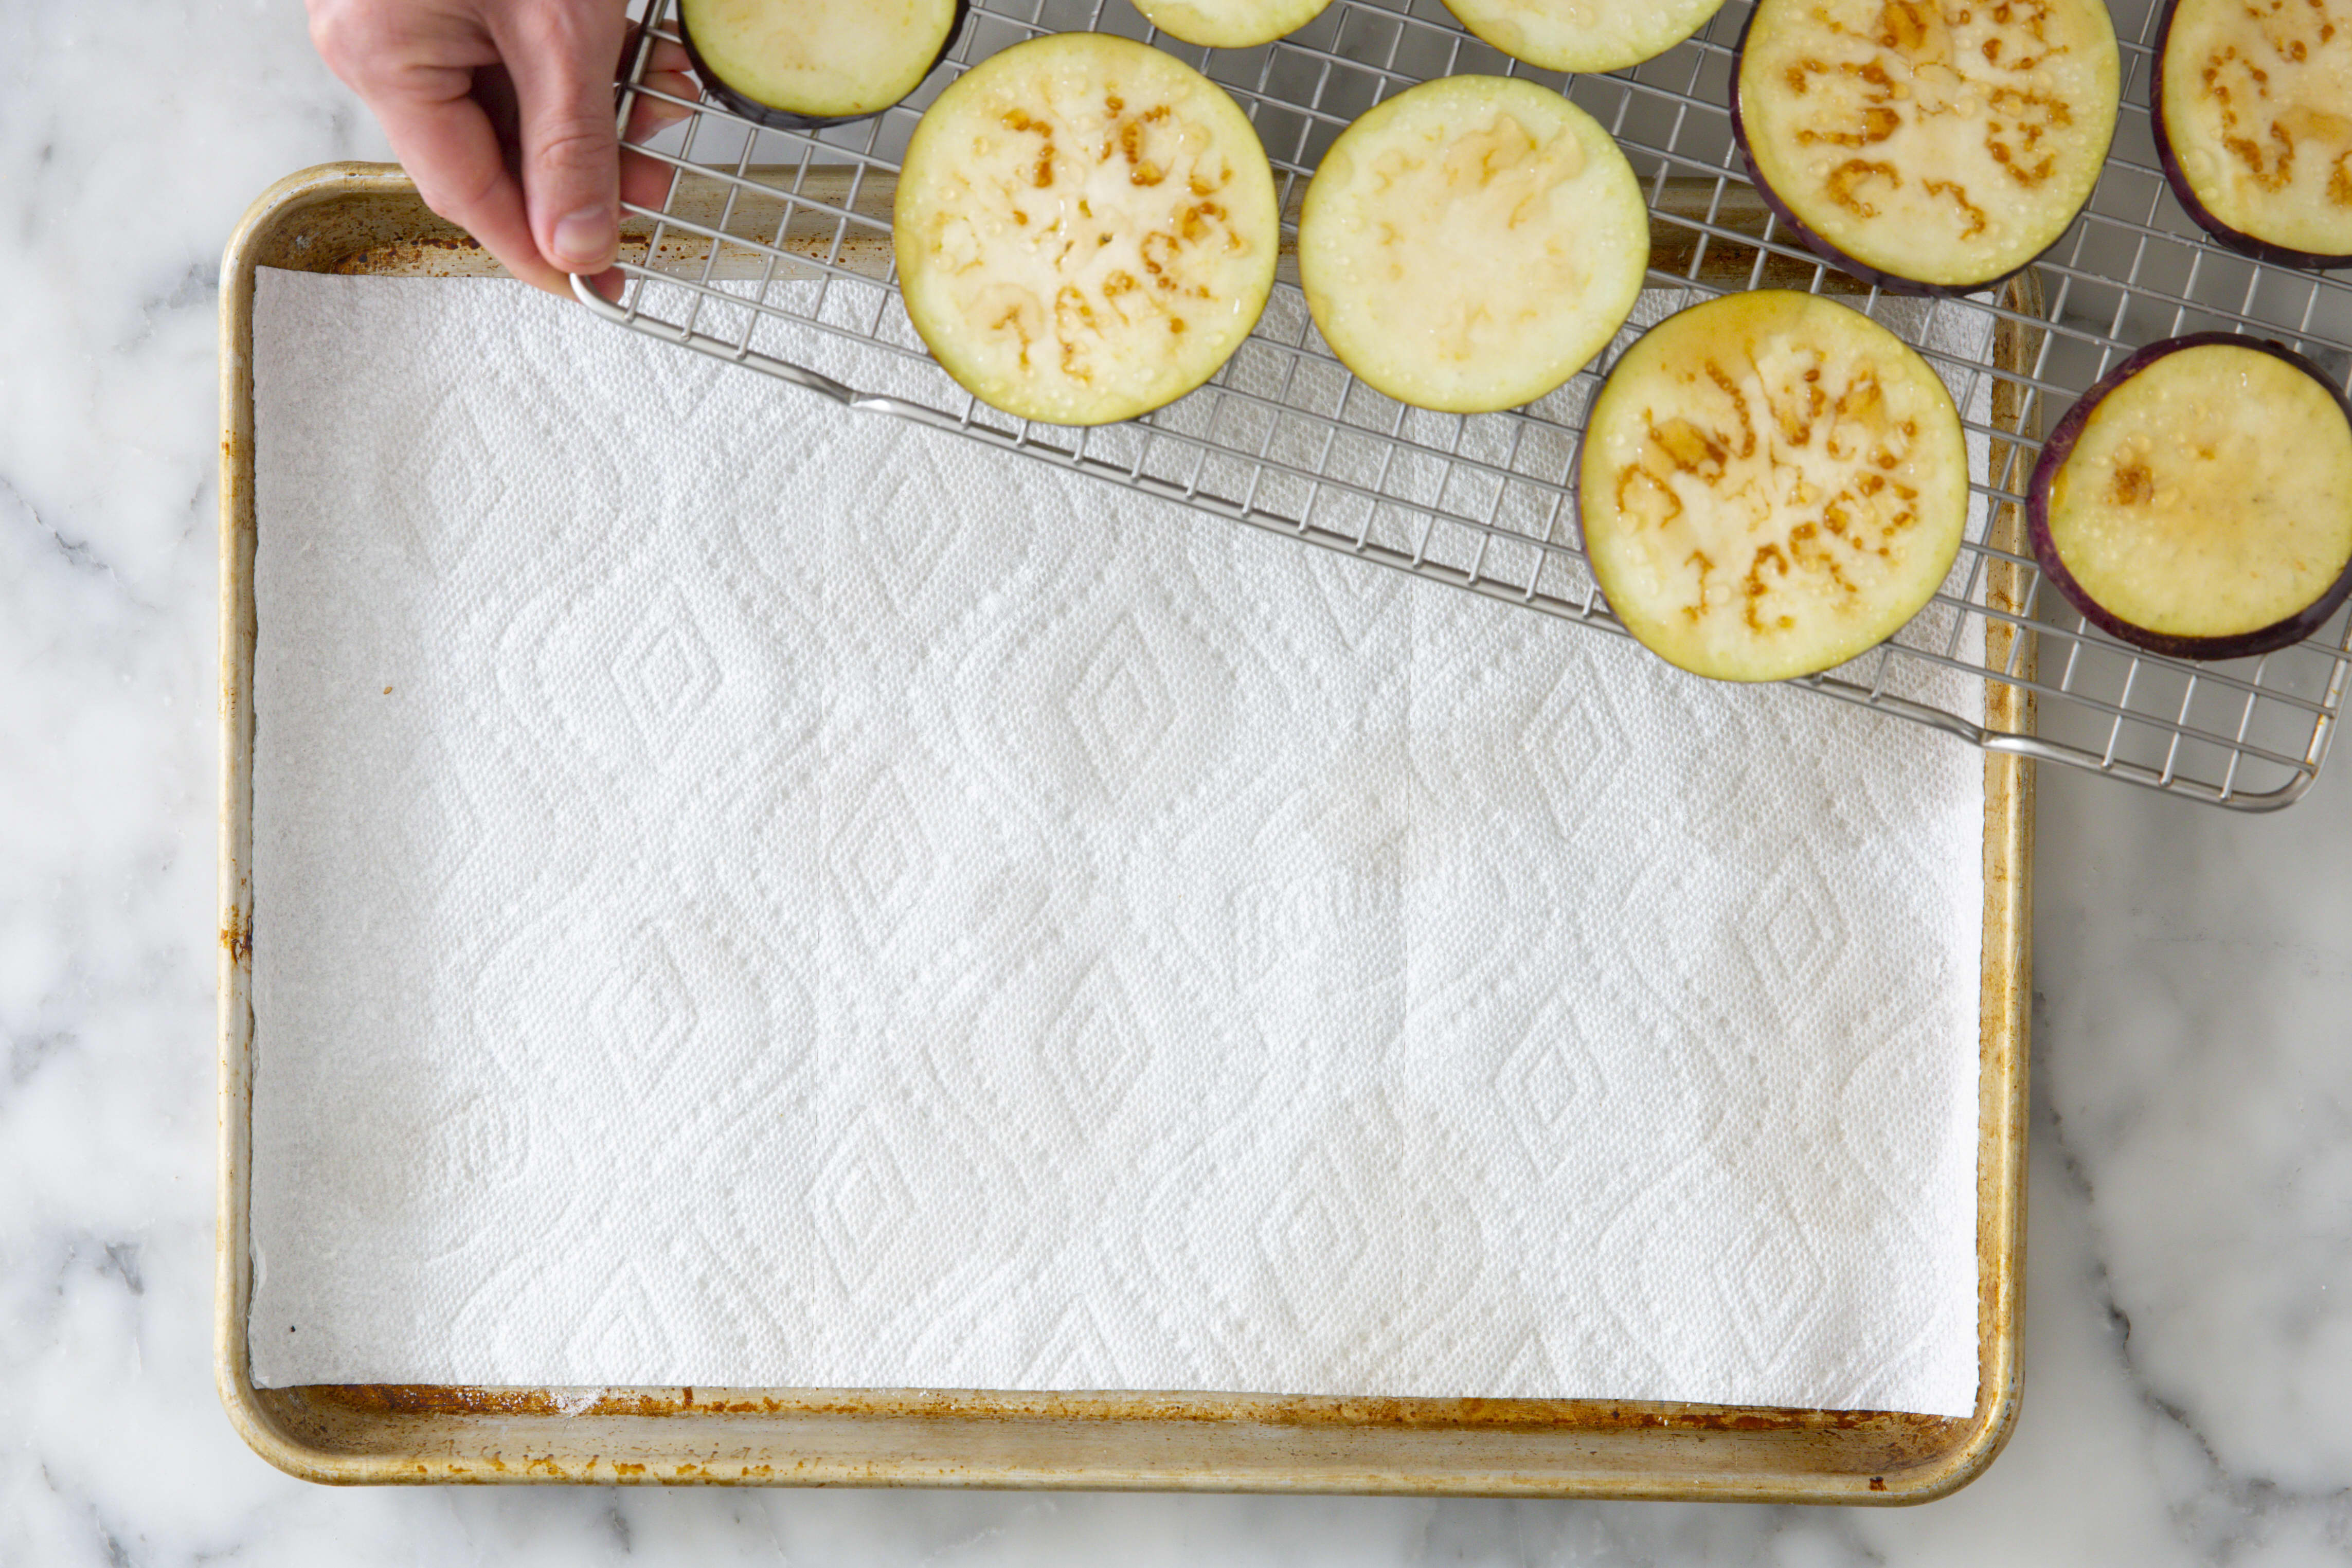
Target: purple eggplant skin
(1885,282)
(2303,623)
(2178,178)
(774,119)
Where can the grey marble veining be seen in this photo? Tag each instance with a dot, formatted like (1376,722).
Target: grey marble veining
(2189,1341)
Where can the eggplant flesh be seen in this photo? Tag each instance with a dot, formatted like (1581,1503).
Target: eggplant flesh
(1085,229)
(798,65)
(1771,485)
(1471,244)
(1583,34)
(1230,23)
(1923,147)
(2254,124)
(2198,501)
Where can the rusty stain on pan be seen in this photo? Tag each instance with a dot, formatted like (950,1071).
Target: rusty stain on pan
(366,218)
(236,939)
(1500,1415)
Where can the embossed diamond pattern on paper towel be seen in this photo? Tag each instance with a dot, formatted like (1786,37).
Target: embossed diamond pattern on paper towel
(1120,709)
(1094,1049)
(880,861)
(1574,739)
(431,827)
(644,1013)
(825,905)
(1550,1083)
(463,489)
(666,672)
(1792,930)
(858,1200)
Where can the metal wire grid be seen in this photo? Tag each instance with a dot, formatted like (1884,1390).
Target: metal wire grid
(771,250)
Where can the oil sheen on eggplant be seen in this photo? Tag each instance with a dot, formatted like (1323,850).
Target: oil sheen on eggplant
(1230,23)
(1085,229)
(1471,244)
(1771,485)
(796,63)
(2254,124)
(1583,34)
(1937,146)
(2198,502)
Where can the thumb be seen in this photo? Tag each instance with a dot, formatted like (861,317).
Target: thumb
(560,57)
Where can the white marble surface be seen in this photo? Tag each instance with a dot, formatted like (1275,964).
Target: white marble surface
(2189,1355)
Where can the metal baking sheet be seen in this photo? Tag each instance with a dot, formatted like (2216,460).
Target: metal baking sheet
(366,218)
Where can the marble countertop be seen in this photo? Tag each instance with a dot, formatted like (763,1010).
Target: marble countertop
(2189,1360)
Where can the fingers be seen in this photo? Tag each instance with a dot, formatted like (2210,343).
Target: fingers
(504,116)
(417,68)
(666,64)
(648,114)
(560,55)
(645,182)
(449,147)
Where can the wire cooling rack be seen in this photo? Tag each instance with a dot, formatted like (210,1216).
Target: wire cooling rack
(771,250)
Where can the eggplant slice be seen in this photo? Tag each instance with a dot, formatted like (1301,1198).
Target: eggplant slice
(2198,501)
(1085,229)
(1471,244)
(1771,485)
(2254,124)
(1926,148)
(1583,34)
(1230,23)
(797,65)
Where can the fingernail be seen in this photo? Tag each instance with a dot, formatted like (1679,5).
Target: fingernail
(586,240)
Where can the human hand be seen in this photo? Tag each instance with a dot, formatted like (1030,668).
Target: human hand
(502,111)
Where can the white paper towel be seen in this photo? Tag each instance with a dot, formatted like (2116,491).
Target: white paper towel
(751,894)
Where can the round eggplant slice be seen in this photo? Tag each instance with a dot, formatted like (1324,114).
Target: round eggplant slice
(1230,23)
(2198,501)
(2254,124)
(1085,229)
(1771,485)
(1471,244)
(1583,34)
(796,65)
(1926,148)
